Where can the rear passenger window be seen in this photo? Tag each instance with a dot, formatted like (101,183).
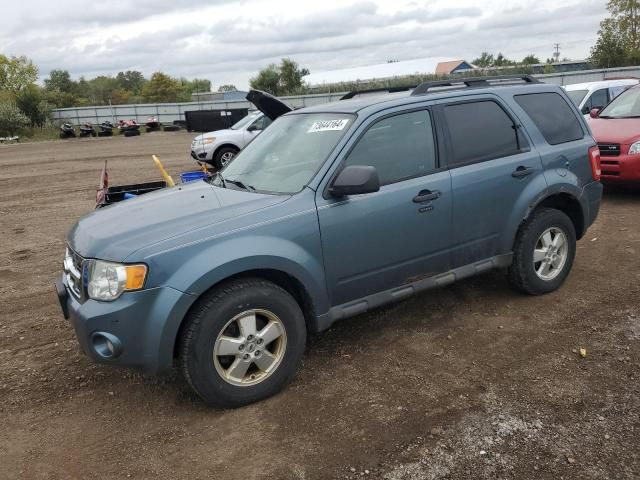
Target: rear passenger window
(400,147)
(552,115)
(480,131)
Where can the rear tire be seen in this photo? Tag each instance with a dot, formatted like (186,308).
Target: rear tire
(214,340)
(543,253)
(224,156)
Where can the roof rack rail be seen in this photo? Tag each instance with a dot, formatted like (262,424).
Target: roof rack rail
(353,93)
(455,83)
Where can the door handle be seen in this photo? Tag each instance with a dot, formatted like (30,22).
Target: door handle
(522,172)
(426,196)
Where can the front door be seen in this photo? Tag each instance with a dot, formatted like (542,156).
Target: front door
(377,241)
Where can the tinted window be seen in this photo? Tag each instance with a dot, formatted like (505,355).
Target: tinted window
(552,115)
(599,98)
(400,147)
(480,131)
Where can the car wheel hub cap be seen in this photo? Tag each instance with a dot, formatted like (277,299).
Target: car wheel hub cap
(250,347)
(550,253)
(227,157)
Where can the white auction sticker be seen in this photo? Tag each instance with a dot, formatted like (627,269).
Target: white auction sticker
(327,125)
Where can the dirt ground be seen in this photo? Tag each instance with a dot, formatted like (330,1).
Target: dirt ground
(470,381)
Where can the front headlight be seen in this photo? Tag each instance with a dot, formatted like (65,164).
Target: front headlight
(207,141)
(107,281)
(634,149)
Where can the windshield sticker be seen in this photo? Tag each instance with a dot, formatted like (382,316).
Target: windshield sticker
(327,125)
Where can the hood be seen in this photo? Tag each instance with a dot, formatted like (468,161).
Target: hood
(615,130)
(116,231)
(215,133)
(268,104)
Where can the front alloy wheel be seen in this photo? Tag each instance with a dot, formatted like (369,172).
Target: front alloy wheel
(242,342)
(250,347)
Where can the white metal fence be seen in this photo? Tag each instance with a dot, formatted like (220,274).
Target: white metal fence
(170,112)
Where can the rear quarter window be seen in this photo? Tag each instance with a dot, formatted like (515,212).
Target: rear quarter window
(553,116)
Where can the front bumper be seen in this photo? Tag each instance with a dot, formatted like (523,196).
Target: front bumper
(201,156)
(143,325)
(623,168)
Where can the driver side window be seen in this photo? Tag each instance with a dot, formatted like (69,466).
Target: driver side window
(399,147)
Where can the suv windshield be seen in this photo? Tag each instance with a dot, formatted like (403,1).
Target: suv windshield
(626,105)
(244,121)
(286,156)
(576,96)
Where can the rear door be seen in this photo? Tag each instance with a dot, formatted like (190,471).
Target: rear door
(491,164)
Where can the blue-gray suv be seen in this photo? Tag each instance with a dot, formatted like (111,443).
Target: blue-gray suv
(332,211)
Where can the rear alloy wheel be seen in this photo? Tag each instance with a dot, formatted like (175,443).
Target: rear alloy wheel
(543,252)
(242,342)
(224,156)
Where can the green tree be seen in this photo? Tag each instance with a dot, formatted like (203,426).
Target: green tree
(161,88)
(131,80)
(227,88)
(502,61)
(32,102)
(101,89)
(530,59)
(484,60)
(291,76)
(12,120)
(283,79)
(618,41)
(16,73)
(268,80)
(60,81)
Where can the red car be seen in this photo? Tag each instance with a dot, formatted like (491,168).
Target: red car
(616,128)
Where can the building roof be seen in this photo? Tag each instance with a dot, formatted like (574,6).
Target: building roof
(446,68)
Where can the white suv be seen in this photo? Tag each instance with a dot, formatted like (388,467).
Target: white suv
(590,95)
(219,147)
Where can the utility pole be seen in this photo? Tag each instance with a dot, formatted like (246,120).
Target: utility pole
(556,53)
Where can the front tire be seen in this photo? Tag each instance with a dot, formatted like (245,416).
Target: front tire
(224,156)
(543,252)
(242,343)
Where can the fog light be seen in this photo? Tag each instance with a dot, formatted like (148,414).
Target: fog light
(106,345)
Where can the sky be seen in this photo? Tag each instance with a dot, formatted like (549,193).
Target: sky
(229,41)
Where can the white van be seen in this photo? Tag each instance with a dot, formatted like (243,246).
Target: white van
(590,95)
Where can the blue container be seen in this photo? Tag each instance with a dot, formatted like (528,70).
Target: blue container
(186,177)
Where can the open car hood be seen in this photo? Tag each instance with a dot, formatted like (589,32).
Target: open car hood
(267,104)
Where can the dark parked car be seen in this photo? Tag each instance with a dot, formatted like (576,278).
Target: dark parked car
(332,211)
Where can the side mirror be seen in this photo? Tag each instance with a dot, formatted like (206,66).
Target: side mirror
(594,112)
(252,128)
(354,180)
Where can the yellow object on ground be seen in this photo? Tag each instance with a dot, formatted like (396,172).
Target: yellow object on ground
(167,177)
(583,352)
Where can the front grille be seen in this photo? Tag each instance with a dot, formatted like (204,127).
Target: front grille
(73,264)
(609,149)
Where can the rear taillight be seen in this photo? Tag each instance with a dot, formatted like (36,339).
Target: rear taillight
(594,159)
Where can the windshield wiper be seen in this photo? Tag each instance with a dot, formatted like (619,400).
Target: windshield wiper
(238,183)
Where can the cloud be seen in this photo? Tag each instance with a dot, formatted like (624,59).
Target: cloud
(228,41)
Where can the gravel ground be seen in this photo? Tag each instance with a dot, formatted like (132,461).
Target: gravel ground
(470,381)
